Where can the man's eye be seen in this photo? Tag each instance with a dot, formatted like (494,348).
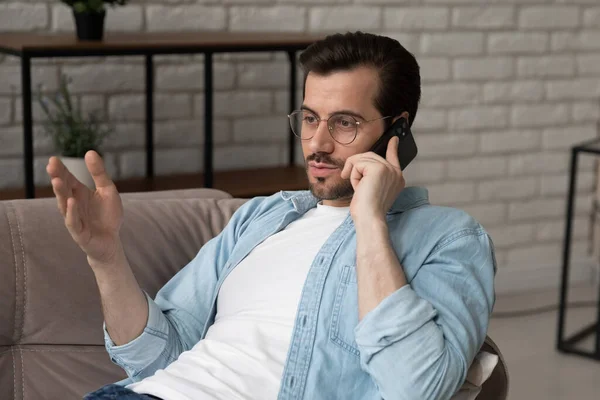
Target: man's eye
(309,119)
(345,123)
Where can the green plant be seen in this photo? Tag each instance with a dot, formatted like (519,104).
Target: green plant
(92,6)
(72,132)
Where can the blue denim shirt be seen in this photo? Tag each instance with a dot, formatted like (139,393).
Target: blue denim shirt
(416,344)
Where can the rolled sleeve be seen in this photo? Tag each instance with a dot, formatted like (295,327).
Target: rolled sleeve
(396,317)
(143,350)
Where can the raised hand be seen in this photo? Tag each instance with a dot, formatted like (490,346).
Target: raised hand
(93,217)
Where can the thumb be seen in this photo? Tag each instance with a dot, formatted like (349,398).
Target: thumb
(95,165)
(391,155)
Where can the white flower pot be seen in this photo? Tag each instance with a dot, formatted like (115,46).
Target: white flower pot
(78,168)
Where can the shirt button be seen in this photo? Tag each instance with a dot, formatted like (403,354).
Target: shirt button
(303,321)
(292,381)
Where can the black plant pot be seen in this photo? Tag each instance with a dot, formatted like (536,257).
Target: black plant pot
(90,26)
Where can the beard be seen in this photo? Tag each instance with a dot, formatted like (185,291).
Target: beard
(330,187)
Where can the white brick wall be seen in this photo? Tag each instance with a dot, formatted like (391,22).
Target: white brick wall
(508,87)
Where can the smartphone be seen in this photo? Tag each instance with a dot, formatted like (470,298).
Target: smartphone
(407,148)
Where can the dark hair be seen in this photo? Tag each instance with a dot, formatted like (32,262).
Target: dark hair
(398,70)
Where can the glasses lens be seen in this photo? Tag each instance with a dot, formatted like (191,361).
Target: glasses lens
(343,128)
(303,124)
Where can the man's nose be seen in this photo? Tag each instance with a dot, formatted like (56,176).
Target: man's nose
(322,140)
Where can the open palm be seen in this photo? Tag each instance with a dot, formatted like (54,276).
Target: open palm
(93,217)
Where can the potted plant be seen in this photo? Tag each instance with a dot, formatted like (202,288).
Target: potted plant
(89,16)
(73,133)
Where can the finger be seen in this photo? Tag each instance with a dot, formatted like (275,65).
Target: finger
(355,176)
(56,169)
(392,152)
(95,165)
(73,220)
(347,167)
(58,187)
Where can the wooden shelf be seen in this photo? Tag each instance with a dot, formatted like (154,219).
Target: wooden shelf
(245,183)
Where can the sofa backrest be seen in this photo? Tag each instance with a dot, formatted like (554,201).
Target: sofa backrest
(51,344)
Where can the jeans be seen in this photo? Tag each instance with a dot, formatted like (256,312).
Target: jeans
(117,392)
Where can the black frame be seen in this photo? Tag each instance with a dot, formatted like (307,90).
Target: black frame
(568,345)
(208,51)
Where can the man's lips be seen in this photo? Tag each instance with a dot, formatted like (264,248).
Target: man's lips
(319,170)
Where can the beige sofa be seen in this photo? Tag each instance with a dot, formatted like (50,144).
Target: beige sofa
(51,344)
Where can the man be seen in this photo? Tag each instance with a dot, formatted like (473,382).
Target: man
(356,289)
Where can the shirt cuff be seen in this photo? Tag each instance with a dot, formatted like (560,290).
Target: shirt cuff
(143,350)
(396,317)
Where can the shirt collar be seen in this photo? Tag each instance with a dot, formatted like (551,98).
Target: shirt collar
(410,197)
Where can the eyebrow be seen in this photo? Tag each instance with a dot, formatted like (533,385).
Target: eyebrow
(347,112)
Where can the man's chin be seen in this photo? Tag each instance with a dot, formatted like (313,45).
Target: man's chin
(325,189)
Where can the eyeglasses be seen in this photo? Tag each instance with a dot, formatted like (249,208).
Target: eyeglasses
(343,128)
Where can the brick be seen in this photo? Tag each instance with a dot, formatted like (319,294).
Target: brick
(191,77)
(382,2)
(281,101)
(586,111)
(262,75)
(420,172)
(588,64)
(517,43)
(565,137)
(488,17)
(341,17)
(122,19)
(184,18)
(247,156)
(511,235)
(238,104)
(451,193)
(179,161)
(545,66)
(483,69)
(23,17)
(430,120)
(509,141)
(478,117)
(261,129)
(132,107)
(126,136)
(507,189)
(539,115)
(591,17)
(573,89)
(479,167)
(555,230)
(446,145)
(557,184)
(450,94)
(183,133)
(487,213)
(45,75)
(452,44)
(5,110)
(513,92)
(536,209)
(276,18)
(434,69)
(584,40)
(522,164)
(102,78)
(243,56)
(542,254)
(416,19)
(548,17)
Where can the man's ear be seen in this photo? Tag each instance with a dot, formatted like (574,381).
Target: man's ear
(403,115)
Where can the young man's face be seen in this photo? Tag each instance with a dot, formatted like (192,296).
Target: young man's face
(343,91)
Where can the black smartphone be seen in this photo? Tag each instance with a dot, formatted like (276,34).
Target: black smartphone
(407,148)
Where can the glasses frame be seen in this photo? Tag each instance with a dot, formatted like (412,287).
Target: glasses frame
(329,127)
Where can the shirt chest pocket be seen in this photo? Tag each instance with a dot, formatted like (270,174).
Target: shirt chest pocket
(345,311)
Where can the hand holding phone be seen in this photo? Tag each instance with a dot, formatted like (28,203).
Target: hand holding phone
(407,148)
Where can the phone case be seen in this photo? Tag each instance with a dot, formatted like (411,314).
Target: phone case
(407,147)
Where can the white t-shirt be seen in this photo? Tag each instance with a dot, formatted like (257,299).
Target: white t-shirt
(244,352)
